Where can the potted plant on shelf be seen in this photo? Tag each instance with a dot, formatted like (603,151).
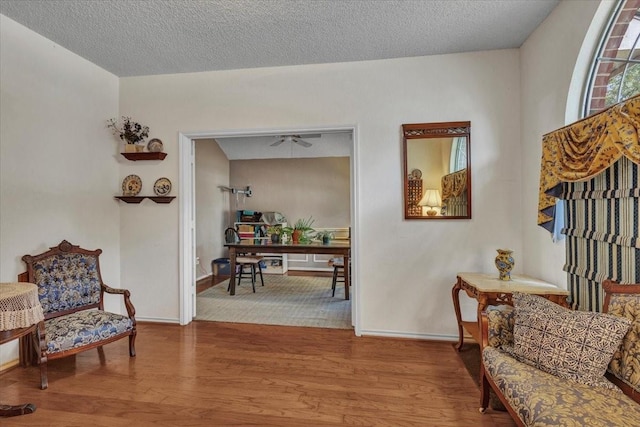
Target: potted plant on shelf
(325,236)
(300,231)
(132,133)
(275,231)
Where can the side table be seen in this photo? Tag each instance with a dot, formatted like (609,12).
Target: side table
(488,289)
(21,316)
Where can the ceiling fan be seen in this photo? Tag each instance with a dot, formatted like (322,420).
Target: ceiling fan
(297,139)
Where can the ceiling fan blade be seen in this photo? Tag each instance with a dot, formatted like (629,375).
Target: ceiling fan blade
(302,142)
(278,142)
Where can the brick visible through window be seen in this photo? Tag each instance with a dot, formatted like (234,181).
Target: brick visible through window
(616,70)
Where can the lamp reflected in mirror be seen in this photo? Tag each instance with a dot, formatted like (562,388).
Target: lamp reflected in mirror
(431,200)
(437,170)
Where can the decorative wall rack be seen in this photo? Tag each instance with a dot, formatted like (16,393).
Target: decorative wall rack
(160,155)
(138,199)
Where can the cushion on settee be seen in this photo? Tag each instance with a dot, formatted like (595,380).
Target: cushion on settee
(535,302)
(82,328)
(574,345)
(542,399)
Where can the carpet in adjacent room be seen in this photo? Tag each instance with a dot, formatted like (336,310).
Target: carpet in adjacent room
(283,300)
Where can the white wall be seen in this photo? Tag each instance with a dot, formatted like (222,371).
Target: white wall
(58,167)
(548,59)
(58,181)
(297,188)
(212,204)
(406,268)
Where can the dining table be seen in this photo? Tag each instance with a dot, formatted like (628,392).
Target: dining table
(338,248)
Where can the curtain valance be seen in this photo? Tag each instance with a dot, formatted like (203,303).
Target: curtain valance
(453,184)
(582,150)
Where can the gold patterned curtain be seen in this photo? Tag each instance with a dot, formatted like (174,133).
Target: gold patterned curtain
(454,184)
(582,150)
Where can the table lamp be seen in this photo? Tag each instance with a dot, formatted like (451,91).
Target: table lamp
(431,199)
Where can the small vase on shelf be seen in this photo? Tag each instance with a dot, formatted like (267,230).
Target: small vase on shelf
(504,263)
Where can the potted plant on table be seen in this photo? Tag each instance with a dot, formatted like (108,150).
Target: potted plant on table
(274,231)
(325,236)
(300,231)
(132,133)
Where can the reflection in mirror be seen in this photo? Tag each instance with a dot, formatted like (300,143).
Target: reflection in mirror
(437,170)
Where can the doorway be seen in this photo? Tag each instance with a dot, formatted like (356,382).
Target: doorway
(188,208)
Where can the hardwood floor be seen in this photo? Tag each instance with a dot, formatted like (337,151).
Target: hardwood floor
(223,374)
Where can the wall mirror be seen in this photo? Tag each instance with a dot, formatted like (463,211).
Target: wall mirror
(437,170)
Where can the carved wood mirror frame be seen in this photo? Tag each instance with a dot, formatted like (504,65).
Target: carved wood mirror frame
(427,144)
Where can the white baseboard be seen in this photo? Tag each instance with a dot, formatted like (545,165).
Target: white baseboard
(410,335)
(206,276)
(329,270)
(10,364)
(157,320)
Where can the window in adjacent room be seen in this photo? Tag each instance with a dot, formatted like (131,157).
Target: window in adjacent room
(615,72)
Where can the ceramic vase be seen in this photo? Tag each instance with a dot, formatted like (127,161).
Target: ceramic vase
(275,238)
(295,236)
(504,263)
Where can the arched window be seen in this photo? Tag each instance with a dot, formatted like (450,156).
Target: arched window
(615,73)
(458,157)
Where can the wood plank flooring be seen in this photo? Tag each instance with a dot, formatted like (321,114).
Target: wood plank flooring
(226,374)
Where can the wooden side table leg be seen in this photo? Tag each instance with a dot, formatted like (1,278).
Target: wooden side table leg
(483,302)
(455,296)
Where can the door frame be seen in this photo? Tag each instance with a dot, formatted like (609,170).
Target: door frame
(186,165)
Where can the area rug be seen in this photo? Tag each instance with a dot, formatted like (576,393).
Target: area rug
(283,300)
(470,356)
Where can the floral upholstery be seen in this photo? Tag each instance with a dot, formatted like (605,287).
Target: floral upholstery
(67,281)
(82,328)
(71,292)
(501,318)
(626,360)
(541,399)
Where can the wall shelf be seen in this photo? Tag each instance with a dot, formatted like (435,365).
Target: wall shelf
(145,156)
(130,199)
(138,199)
(162,199)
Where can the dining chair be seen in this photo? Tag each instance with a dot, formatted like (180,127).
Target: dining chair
(251,262)
(338,272)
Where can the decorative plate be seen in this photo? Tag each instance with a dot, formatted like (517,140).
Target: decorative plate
(155,145)
(131,185)
(162,186)
(416,174)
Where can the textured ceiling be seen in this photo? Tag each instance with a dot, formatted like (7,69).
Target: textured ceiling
(131,38)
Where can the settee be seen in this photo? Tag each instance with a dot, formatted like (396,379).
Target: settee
(71,293)
(551,366)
